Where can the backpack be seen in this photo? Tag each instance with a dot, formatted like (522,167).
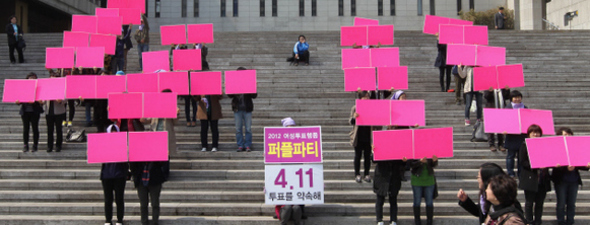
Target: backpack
(479,134)
(76,136)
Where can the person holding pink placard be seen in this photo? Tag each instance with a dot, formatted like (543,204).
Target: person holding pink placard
(361,138)
(30,114)
(209,113)
(204,53)
(496,99)
(128,44)
(148,178)
(118,61)
(113,177)
(388,182)
(535,182)
(160,124)
(514,141)
(142,36)
(243,106)
(470,95)
(441,63)
(55,114)
(424,186)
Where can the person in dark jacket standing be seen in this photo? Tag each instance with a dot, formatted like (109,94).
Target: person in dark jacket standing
(496,99)
(128,44)
(424,186)
(148,178)
(30,114)
(142,36)
(441,63)
(113,177)
(535,182)
(242,106)
(387,182)
(209,113)
(15,34)
(118,61)
(55,114)
(499,19)
(514,141)
(361,138)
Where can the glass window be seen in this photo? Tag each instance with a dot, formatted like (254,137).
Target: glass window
(235,8)
(380,7)
(459,8)
(471,4)
(183,10)
(432,8)
(314,8)
(392,8)
(340,7)
(158,8)
(222,7)
(420,8)
(262,8)
(353,7)
(274,8)
(301,7)
(196,8)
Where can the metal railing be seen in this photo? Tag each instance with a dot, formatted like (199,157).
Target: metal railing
(550,25)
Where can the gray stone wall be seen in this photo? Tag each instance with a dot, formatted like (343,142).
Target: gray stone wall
(557,9)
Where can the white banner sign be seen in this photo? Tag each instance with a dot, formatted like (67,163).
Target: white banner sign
(298,184)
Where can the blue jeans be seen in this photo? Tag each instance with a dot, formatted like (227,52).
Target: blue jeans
(566,193)
(140,49)
(423,191)
(468,98)
(511,154)
(88,107)
(243,119)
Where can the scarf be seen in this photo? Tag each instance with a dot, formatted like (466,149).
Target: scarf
(145,175)
(517,105)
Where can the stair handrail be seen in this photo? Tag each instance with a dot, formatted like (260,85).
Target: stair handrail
(550,24)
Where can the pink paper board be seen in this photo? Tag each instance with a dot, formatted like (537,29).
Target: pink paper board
(380,35)
(476,35)
(106,12)
(408,113)
(431,23)
(173,34)
(353,35)
(485,78)
(81,23)
(501,120)
(175,81)
(359,21)
(109,25)
(200,33)
(392,77)
(372,112)
(89,57)
(392,144)
(187,59)
(107,147)
(461,54)
(437,141)
(76,39)
(125,105)
(384,57)
(59,58)
(19,90)
(240,82)
(78,86)
(460,22)
(353,58)
(140,4)
(490,56)
(577,147)
(547,152)
(148,146)
(110,84)
(107,41)
(511,76)
(205,83)
(543,118)
(156,60)
(142,82)
(117,4)
(130,16)
(363,78)
(160,105)
(51,89)
(451,34)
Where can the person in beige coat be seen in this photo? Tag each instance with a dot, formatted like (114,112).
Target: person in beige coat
(467,73)
(361,138)
(209,112)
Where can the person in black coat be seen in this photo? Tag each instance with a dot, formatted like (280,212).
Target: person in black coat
(148,178)
(493,101)
(499,19)
(113,177)
(387,182)
(441,63)
(128,44)
(30,114)
(15,35)
(514,141)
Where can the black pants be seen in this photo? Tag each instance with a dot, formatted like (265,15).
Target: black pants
(118,186)
(303,57)
(54,121)
(72,108)
(30,119)
(117,63)
(188,102)
(491,139)
(101,119)
(362,148)
(442,71)
(291,212)
(537,199)
(11,48)
(214,132)
(145,193)
(392,205)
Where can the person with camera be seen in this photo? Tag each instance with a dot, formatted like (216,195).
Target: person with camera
(15,39)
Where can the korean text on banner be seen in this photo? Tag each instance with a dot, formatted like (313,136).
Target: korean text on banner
(485,78)
(408,113)
(206,83)
(353,35)
(81,23)
(110,84)
(393,144)
(384,57)
(156,60)
(125,105)
(81,87)
(160,105)
(109,25)
(240,82)
(547,151)
(294,184)
(148,146)
(392,77)
(292,145)
(59,58)
(436,141)
(175,81)
(142,82)
(510,75)
(577,148)
(173,34)
(76,39)
(373,112)
(187,59)
(380,35)
(490,56)
(89,57)
(431,23)
(107,41)
(451,34)
(543,118)
(200,33)
(501,120)
(359,21)
(353,58)
(19,90)
(461,54)
(363,78)
(107,147)
(51,89)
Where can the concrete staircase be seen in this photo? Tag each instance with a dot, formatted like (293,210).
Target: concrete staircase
(226,187)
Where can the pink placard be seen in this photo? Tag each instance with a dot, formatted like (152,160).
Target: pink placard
(107,41)
(485,78)
(156,60)
(511,76)
(125,105)
(461,54)
(547,151)
(240,82)
(384,57)
(475,35)
(380,35)
(436,141)
(51,89)
(372,112)
(78,86)
(501,120)
(460,22)
(109,25)
(173,34)
(107,147)
(175,81)
(577,147)
(117,4)
(543,118)
(187,59)
(89,57)
(140,4)
(130,15)
(83,23)
(408,113)
(392,144)
(359,21)
(106,11)
(490,56)
(363,78)
(19,90)
(160,105)
(451,34)
(148,146)
(392,77)
(200,33)
(76,39)
(431,23)
(205,83)
(59,58)
(110,84)
(353,58)
(142,82)
(353,35)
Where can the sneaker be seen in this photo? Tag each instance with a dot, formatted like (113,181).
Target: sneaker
(69,123)
(119,224)
(64,123)
(108,224)
(493,148)
(248,149)
(358,179)
(393,223)
(502,149)
(467,123)
(204,149)
(240,149)
(34,148)
(380,223)
(367,179)
(26,148)
(214,149)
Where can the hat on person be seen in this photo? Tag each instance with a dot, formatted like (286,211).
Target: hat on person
(120,72)
(288,122)
(397,95)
